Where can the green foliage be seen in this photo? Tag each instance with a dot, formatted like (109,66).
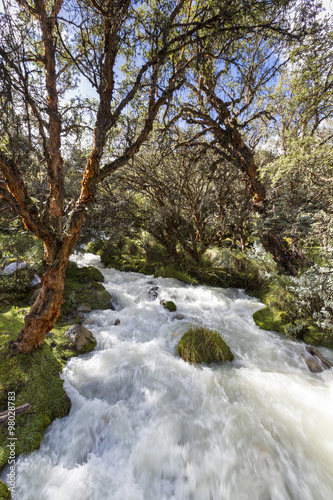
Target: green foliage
(17,284)
(4,492)
(201,345)
(313,296)
(172,272)
(20,246)
(95,247)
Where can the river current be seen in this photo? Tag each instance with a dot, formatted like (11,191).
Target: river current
(145,425)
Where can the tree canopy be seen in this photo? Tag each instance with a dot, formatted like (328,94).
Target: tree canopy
(208,65)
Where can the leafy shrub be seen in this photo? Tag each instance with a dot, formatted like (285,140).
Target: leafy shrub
(314,296)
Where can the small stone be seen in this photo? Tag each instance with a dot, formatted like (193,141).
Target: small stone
(117,322)
(83,308)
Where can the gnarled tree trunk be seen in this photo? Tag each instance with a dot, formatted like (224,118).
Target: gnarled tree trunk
(46,308)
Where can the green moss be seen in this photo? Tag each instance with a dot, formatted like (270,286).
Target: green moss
(92,294)
(200,345)
(171,306)
(34,378)
(4,492)
(272,319)
(83,287)
(83,274)
(172,272)
(318,338)
(95,247)
(11,322)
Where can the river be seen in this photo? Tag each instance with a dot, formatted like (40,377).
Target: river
(145,425)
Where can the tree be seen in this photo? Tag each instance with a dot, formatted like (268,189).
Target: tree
(230,90)
(186,196)
(45,48)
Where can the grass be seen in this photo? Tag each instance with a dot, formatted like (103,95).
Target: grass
(201,345)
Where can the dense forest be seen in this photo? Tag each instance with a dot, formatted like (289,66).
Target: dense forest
(206,133)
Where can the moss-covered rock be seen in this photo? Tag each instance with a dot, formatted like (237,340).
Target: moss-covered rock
(201,345)
(273,319)
(83,274)
(4,492)
(81,340)
(170,305)
(34,378)
(83,287)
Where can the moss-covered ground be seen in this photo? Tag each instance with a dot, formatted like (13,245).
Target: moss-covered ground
(280,314)
(34,377)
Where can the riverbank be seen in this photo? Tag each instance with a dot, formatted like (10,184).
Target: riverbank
(33,379)
(144,424)
(255,272)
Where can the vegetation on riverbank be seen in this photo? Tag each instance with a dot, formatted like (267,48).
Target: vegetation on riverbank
(34,377)
(286,310)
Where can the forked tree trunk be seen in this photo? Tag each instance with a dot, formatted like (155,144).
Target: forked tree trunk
(46,308)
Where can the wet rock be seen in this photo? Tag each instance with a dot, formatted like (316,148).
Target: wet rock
(315,361)
(168,304)
(114,304)
(117,322)
(153,293)
(201,345)
(179,316)
(88,321)
(81,339)
(83,308)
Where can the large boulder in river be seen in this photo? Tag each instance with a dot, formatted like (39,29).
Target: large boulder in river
(81,339)
(83,287)
(201,345)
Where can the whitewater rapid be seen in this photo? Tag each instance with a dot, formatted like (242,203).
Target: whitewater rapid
(145,425)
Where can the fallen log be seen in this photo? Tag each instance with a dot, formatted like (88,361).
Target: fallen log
(19,409)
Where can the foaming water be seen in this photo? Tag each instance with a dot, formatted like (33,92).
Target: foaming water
(144,425)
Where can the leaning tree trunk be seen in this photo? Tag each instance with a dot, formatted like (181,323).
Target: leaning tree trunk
(242,157)
(46,309)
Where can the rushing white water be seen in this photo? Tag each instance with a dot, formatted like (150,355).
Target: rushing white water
(145,425)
